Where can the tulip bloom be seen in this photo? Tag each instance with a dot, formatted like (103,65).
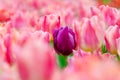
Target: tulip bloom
(90,33)
(112,33)
(64,40)
(7,72)
(101,67)
(35,60)
(49,22)
(110,14)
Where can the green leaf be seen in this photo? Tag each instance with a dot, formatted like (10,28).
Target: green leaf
(118,57)
(62,61)
(104,50)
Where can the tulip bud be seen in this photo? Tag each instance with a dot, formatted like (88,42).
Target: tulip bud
(49,22)
(91,34)
(110,14)
(112,33)
(64,40)
(35,60)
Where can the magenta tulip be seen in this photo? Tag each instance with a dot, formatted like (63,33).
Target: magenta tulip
(64,40)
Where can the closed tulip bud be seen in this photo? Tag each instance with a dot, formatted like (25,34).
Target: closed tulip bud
(35,60)
(64,40)
(91,34)
(110,14)
(49,22)
(112,33)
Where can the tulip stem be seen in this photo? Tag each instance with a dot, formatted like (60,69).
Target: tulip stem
(104,50)
(118,57)
(62,61)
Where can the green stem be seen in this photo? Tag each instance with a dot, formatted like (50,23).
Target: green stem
(104,50)
(62,61)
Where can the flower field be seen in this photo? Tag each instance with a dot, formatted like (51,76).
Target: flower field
(59,40)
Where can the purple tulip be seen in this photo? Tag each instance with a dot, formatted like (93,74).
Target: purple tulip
(64,40)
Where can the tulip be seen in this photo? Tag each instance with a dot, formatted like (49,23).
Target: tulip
(100,68)
(41,34)
(18,20)
(90,33)
(110,14)
(83,10)
(112,33)
(35,60)
(49,22)
(8,53)
(7,72)
(64,40)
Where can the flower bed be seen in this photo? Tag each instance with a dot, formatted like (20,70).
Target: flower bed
(59,40)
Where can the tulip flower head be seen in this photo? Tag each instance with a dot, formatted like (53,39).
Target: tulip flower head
(112,34)
(64,40)
(91,36)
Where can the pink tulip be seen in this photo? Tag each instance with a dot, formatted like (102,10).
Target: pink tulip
(107,14)
(77,28)
(85,11)
(81,54)
(2,46)
(35,60)
(118,46)
(7,72)
(18,20)
(112,33)
(90,33)
(50,22)
(91,67)
(111,15)
(8,53)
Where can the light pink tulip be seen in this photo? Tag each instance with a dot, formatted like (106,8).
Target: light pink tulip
(24,36)
(89,33)
(91,67)
(8,72)
(111,15)
(24,20)
(41,34)
(81,54)
(50,22)
(112,33)
(8,45)
(85,11)
(18,21)
(77,28)
(107,14)
(35,60)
